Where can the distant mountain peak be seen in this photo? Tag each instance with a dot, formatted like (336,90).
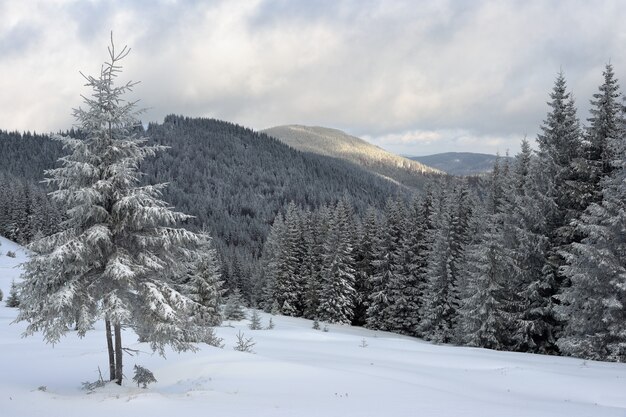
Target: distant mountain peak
(338,144)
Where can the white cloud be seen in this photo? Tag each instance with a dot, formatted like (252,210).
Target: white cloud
(386,69)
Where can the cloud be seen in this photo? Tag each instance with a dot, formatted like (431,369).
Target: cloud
(470,75)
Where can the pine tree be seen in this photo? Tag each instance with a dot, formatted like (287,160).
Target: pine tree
(441,299)
(336,296)
(559,150)
(233,310)
(595,302)
(485,310)
(288,284)
(204,287)
(531,311)
(363,258)
(13,300)
(406,284)
(119,255)
(386,265)
(270,263)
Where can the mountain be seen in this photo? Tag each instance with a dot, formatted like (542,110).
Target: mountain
(232,179)
(338,144)
(459,163)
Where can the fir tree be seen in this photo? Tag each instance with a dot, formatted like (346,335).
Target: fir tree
(363,258)
(204,287)
(336,297)
(233,310)
(386,265)
(559,149)
(255,321)
(119,255)
(13,300)
(440,305)
(595,302)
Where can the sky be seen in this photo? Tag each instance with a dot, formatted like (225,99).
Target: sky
(414,77)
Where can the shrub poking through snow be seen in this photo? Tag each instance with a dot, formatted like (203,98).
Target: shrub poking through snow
(11,254)
(255,321)
(14,299)
(143,376)
(316,324)
(270,325)
(233,310)
(1,295)
(244,344)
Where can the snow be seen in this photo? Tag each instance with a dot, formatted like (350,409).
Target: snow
(298,371)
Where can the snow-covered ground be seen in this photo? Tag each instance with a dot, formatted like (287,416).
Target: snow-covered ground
(298,371)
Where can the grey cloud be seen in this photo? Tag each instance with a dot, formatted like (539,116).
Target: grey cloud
(475,73)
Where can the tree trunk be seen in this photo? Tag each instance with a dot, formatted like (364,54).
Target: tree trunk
(107,324)
(118,353)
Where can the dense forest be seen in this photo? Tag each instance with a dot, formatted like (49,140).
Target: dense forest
(537,265)
(231,179)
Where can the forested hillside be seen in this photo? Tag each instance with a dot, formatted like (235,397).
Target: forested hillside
(232,179)
(235,180)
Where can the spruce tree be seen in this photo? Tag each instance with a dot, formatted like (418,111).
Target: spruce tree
(440,305)
(119,255)
(337,294)
(595,302)
(233,309)
(363,257)
(531,310)
(386,266)
(560,198)
(485,318)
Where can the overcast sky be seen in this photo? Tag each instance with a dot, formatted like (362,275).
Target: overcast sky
(414,77)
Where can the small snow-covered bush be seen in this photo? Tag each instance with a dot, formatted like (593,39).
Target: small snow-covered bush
(255,321)
(13,300)
(316,325)
(244,344)
(143,376)
(233,310)
(270,325)
(1,295)
(11,254)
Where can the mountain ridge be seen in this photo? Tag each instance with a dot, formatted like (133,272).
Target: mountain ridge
(338,144)
(459,163)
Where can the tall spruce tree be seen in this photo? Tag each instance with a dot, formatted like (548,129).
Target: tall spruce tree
(595,302)
(485,311)
(386,267)
(337,294)
(441,298)
(119,255)
(559,149)
(531,307)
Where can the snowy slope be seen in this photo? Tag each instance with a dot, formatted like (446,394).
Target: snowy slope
(9,267)
(298,371)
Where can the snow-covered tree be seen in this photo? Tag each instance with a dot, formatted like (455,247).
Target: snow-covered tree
(233,309)
(560,197)
(387,264)
(336,296)
(530,307)
(203,285)
(363,257)
(119,255)
(595,303)
(13,300)
(446,257)
(288,284)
